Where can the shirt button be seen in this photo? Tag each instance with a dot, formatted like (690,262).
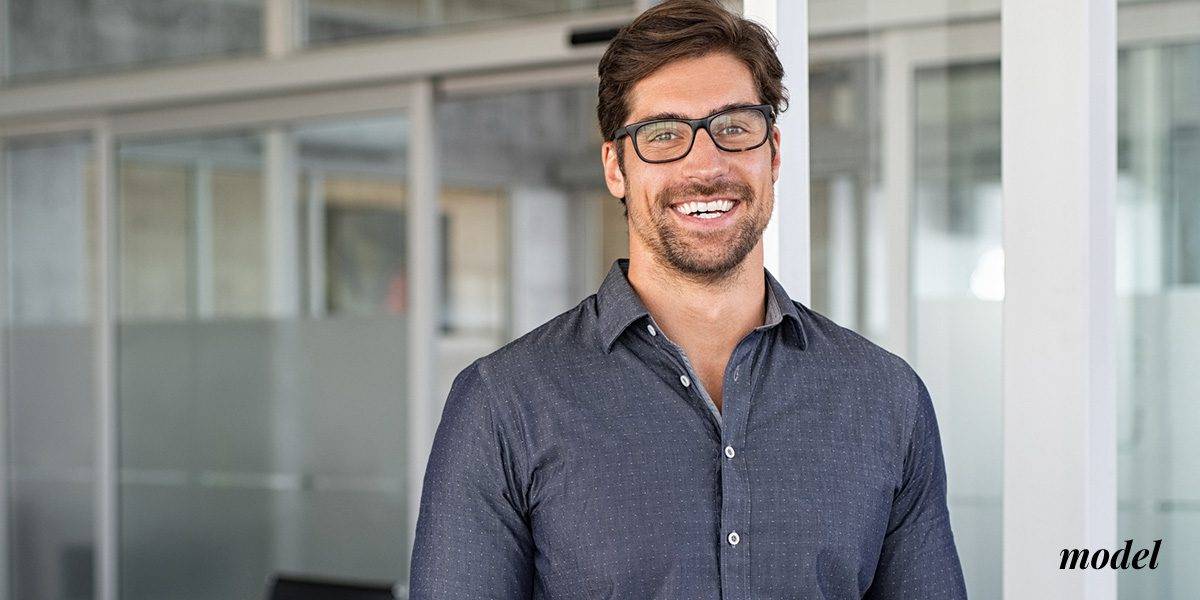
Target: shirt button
(684,380)
(734,538)
(650,328)
(729,451)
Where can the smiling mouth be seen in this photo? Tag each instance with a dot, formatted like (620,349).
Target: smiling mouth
(704,209)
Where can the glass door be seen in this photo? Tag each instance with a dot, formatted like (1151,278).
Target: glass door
(261,343)
(49,216)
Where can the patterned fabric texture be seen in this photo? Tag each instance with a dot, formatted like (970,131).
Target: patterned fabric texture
(584,460)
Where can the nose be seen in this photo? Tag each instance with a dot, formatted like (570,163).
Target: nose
(705,160)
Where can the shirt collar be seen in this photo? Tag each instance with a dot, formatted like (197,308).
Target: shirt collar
(619,306)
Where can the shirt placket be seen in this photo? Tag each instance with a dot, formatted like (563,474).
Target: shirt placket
(735,478)
(734,542)
(686,375)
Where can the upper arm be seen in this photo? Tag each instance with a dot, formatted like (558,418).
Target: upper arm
(919,558)
(472,538)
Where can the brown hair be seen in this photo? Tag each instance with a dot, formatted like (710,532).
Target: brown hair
(677,29)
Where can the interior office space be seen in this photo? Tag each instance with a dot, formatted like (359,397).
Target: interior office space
(247,244)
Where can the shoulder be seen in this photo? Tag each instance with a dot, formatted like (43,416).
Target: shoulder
(540,358)
(567,337)
(878,377)
(836,345)
(884,388)
(515,381)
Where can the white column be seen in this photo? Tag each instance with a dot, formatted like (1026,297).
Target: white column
(202,273)
(281,223)
(5,53)
(281,37)
(422,233)
(282,27)
(5,200)
(282,264)
(316,244)
(541,273)
(586,227)
(1059,172)
(897,167)
(432,12)
(786,243)
(107,524)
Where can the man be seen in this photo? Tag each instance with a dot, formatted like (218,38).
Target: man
(689,431)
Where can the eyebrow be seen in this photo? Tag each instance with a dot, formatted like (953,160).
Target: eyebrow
(675,115)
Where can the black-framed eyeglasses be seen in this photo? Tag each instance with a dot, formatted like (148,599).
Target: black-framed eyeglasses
(734,129)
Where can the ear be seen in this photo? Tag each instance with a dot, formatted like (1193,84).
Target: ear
(613,177)
(775,162)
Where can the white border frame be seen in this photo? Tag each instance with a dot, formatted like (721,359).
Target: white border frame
(398,75)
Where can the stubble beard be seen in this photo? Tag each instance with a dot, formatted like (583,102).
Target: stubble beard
(706,257)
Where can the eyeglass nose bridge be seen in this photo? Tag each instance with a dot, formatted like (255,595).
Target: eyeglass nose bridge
(696,127)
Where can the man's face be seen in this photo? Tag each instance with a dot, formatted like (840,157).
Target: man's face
(705,249)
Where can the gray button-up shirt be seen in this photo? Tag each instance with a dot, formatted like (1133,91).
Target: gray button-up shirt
(585,460)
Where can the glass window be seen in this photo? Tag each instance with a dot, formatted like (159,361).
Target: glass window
(50,221)
(261,358)
(352,206)
(190,225)
(338,20)
(847,215)
(958,293)
(58,37)
(1158,294)
(902,125)
(531,229)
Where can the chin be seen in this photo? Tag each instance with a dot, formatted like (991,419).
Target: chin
(704,262)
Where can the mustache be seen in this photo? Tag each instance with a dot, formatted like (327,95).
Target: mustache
(725,188)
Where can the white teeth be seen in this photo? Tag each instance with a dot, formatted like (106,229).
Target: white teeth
(714,206)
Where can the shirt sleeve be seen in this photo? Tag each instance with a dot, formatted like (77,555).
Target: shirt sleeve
(472,537)
(919,558)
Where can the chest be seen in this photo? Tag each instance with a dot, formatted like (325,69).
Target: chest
(645,494)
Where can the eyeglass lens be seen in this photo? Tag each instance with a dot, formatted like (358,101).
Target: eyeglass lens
(732,131)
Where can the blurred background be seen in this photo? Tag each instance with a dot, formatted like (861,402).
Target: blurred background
(305,217)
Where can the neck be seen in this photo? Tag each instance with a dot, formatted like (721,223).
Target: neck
(706,315)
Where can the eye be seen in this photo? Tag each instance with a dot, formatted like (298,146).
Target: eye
(663,136)
(733,130)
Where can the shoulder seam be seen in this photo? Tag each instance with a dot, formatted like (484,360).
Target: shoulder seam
(518,421)
(911,409)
